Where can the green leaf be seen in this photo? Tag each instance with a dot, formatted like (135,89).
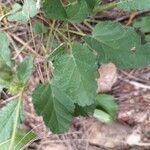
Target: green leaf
(74,12)
(28,11)
(147,38)
(92,3)
(54,9)
(131,5)
(102,116)
(84,111)
(24,70)
(16,7)
(143,24)
(6,73)
(73,82)
(55,106)
(39,28)
(7,119)
(21,140)
(77,12)
(4,48)
(54,55)
(119,45)
(108,104)
(75,74)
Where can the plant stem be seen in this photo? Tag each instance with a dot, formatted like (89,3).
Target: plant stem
(105,7)
(15,123)
(75,32)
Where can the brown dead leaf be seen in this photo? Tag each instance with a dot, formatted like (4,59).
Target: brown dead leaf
(108,76)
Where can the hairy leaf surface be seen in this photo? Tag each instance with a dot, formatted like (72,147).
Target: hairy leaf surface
(55,106)
(4,48)
(119,45)
(131,5)
(7,120)
(76,11)
(75,74)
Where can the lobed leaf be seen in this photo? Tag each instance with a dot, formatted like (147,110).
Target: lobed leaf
(73,83)
(28,11)
(119,45)
(55,106)
(76,74)
(75,12)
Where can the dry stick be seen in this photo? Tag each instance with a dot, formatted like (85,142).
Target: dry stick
(32,34)
(23,43)
(133,77)
(2,14)
(16,49)
(9,99)
(7,28)
(127,16)
(40,73)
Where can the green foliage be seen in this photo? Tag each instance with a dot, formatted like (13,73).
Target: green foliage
(24,70)
(131,5)
(76,11)
(108,104)
(6,73)
(28,11)
(119,45)
(39,28)
(73,82)
(72,90)
(55,106)
(4,48)
(7,119)
(76,76)
(21,140)
(143,24)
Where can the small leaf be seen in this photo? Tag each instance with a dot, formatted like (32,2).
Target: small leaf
(4,48)
(108,104)
(102,116)
(28,11)
(24,70)
(55,106)
(7,119)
